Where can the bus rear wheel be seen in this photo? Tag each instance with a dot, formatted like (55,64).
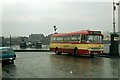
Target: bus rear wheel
(76,51)
(57,51)
(92,55)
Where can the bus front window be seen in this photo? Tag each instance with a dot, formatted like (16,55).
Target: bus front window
(94,39)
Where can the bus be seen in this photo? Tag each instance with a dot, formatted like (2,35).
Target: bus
(84,42)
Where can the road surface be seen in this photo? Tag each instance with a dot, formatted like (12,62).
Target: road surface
(50,65)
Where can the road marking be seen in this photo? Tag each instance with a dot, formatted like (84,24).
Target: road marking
(71,72)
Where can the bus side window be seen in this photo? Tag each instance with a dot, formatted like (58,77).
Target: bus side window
(59,39)
(66,39)
(75,38)
(53,39)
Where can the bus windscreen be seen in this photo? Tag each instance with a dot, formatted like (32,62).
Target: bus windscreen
(94,39)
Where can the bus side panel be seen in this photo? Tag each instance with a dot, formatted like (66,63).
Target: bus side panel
(63,50)
(52,49)
(69,48)
(82,51)
(86,52)
(71,51)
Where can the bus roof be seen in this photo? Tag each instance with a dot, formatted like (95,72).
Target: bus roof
(78,32)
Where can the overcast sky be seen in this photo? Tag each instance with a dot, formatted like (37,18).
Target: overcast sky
(25,17)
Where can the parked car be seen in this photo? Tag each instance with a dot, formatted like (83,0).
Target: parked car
(7,54)
(38,45)
(23,44)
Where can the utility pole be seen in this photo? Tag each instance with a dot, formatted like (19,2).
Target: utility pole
(10,40)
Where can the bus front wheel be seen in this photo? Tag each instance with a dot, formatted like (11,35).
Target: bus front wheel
(57,51)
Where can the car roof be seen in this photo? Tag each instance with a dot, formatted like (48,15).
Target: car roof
(5,48)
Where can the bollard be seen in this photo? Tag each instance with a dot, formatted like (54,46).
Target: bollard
(114,47)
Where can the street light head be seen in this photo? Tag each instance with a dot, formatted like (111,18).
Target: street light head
(54,26)
(117,3)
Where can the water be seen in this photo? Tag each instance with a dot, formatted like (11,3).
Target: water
(44,47)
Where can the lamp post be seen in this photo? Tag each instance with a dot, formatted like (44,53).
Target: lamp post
(118,5)
(55,29)
(114,9)
(10,40)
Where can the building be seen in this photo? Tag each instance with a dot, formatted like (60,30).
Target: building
(36,38)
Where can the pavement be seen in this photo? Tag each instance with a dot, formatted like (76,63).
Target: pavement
(0,70)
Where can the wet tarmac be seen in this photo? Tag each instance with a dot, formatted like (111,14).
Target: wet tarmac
(50,65)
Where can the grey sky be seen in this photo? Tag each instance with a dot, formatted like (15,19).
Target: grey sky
(23,17)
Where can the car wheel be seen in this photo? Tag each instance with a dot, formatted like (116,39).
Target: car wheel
(12,61)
